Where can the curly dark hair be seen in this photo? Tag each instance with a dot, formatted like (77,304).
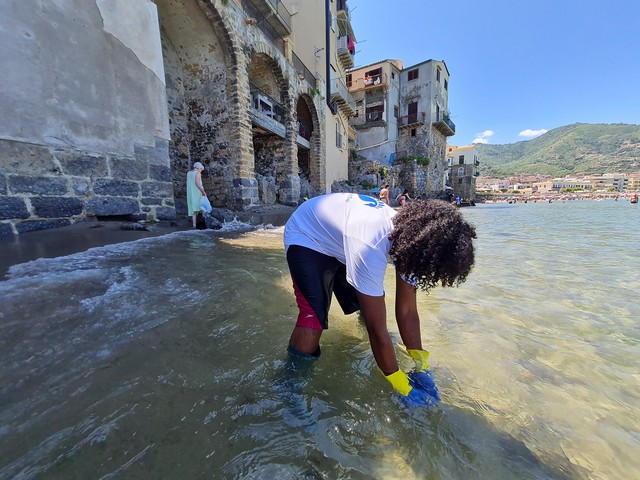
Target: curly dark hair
(432,241)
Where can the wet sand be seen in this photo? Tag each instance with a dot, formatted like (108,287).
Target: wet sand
(82,236)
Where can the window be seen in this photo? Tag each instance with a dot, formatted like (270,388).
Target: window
(413,132)
(412,74)
(413,112)
(461,160)
(393,75)
(396,111)
(446,84)
(438,74)
(349,80)
(460,172)
(375,113)
(338,135)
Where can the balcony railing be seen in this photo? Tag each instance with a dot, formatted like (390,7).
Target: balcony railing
(413,119)
(344,52)
(272,11)
(340,94)
(303,71)
(263,104)
(380,80)
(344,18)
(262,11)
(444,125)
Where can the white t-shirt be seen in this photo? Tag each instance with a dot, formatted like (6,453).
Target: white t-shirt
(352,228)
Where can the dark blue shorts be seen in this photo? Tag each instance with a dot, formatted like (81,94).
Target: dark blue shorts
(315,278)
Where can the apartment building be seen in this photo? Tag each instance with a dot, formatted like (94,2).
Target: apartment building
(402,119)
(463,171)
(107,119)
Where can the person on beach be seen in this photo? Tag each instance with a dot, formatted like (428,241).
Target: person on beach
(341,243)
(384,193)
(403,197)
(195,191)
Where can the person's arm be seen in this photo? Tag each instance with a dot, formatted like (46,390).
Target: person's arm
(199,183)
(374,311)
(407,314)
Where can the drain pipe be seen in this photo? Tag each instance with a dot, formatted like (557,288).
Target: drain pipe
(327,49)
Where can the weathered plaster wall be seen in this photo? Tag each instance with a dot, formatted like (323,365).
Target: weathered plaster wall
(84,129)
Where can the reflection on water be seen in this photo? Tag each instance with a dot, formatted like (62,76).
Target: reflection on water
(165,358)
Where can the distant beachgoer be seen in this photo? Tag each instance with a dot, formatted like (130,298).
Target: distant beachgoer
(368,80)
(384,193)
(403,197)
(195,191)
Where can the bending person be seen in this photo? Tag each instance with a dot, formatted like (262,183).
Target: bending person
(341,243)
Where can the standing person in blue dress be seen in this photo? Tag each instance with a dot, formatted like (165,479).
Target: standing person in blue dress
(341,244)
(195,191)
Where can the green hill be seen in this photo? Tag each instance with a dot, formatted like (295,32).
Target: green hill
(568,150)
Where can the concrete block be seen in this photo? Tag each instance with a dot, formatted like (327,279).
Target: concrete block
(157,189)
(80,186)
(3,184)
(82,165)
(116,188)
(5,229)
(56,207)
(165,213)
(38,185)
(160,173)
(13,207)
(129,168)
(35,225)
(25,158)
(110,206)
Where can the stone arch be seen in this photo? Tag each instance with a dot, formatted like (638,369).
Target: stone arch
(309,155)
(272,127)
(200,66)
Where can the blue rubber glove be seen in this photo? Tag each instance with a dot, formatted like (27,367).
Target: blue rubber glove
(424,382)
(411,396)
(421,377)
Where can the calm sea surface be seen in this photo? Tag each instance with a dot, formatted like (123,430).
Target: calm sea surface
(165,358)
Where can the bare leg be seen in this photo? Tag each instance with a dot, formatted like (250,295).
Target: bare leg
(194,220)
(305,339)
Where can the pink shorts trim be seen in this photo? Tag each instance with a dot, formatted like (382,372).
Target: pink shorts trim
(307,318)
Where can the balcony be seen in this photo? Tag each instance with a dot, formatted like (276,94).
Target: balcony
(344,52)
(272,11)
(373,82)
(341,96)
(444,125)
(412,120)
(344,19)
(303,72)
(266,112)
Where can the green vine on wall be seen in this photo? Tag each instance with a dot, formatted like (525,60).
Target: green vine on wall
(421,160)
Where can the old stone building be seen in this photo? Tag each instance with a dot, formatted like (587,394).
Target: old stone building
(402,120)
(108,103)
(463,171)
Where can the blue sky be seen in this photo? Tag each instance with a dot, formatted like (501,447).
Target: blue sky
(518,68)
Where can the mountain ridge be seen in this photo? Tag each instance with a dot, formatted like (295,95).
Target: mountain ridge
(567,150)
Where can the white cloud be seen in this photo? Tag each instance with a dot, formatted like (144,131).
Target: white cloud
(528,133)
(483,137)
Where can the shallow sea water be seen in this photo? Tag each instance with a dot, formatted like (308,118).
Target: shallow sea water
(165,358)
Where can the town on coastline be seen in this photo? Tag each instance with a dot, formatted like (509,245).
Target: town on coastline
(525,188)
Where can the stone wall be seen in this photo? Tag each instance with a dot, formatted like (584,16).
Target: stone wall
(84,129)
(47,187)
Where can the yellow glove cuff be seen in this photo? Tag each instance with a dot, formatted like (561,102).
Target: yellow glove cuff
(400,382)
(422,359)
